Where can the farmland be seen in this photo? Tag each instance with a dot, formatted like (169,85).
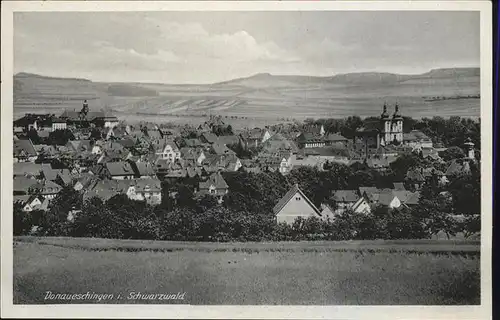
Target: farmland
(261,98)
(324,273)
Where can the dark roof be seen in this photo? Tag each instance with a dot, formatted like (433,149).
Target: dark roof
(145,169)
(209,137)
(46,187)
(335,137)
(284,200)
(22,184)
(119,168)
(24,147)
(216,180)
(327,152)
(399,186)
(228,140)
(23,168)
(345,196)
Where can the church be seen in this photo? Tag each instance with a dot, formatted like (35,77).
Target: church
(386,131)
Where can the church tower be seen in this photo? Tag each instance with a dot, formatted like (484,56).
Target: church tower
(85,109)
(469,148)
(397,126)
(385,123)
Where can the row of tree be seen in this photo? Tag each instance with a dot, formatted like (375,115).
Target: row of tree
(450,132)
(247,211)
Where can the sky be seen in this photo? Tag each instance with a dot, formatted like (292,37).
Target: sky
(209,47)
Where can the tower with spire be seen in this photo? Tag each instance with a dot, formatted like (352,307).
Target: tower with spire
(469,148)
(85,110)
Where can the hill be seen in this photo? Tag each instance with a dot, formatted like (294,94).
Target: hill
(443,92)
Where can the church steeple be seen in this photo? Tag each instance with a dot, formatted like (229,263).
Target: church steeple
(396,112)
(384,114)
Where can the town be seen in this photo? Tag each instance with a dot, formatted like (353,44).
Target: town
(98,156)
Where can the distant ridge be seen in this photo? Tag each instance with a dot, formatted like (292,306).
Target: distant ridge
(21,75)
(266,79)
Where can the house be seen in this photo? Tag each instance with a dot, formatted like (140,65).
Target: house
(143,170)
(208,137)
(221,149)
(310,140)
(105,121)
(254,138)
(195,154)
(361,206)
(166,149)
(333,139)
(148,190)
(27,169)
(60,176)
(295,204)
(228,140)
(30,203)
(84,181)
(327,213)
(386,197)
(119,170)
(389,200)
(21,185)
(215,185)
(417,139)
(278,143)
(46,152)
(46,188)
(344,200)
(24,151)
(40,122)
(78,146)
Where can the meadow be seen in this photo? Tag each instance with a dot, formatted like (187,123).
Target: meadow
(427,272)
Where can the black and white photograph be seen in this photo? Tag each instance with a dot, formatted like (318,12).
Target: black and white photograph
(236,157)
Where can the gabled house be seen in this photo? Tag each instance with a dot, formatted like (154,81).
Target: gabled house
(31,203)
(254,138)
(215,186)
(24,151)
(295,204)
(195,154)
(143,170)
(148,190)
(166,149)
(344,200)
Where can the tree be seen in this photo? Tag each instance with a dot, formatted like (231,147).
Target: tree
(452,153)
(32,134)
(60,137)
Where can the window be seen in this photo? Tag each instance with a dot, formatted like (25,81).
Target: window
(297,198)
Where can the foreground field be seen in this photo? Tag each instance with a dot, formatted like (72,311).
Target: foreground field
(285,273)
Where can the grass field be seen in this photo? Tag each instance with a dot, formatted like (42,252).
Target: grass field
(306,273)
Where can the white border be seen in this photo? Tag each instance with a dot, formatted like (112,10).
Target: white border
(238,312)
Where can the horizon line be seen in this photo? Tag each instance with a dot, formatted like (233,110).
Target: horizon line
(246,77)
